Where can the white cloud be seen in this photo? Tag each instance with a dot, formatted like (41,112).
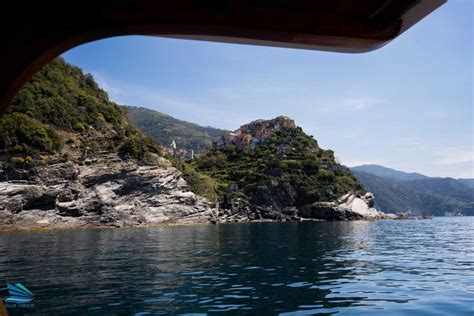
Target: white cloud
(357,104)
(454,155)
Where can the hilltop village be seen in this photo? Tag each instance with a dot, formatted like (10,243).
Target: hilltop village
(250,135)
(246,138)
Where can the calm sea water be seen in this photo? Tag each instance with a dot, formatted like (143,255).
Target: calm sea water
(347,268)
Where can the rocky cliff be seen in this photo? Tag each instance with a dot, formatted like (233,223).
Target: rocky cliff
(105,191)
(69,157)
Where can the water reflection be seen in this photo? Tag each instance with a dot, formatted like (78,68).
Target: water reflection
(271,268)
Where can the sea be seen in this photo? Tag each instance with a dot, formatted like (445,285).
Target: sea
(387,267)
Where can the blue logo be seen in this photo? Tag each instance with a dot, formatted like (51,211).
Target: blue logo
(18,294)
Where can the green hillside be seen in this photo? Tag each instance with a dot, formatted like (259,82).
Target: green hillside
(303,175)
(164,128)
(62,111)
(433,196)
(448,187)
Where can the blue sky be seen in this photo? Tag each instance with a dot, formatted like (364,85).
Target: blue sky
(408,105)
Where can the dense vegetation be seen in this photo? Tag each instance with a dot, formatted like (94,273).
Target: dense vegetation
(302,175)
(200,183)
(164,128)
(59,106)
(433,196)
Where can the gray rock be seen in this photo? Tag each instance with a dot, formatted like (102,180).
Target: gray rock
(351,206)
(105,192)
(325,211)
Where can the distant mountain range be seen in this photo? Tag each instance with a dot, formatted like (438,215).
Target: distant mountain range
(468,182)
(164,128)
(389,173)
(400,192)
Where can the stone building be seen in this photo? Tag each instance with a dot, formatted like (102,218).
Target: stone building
(250,135)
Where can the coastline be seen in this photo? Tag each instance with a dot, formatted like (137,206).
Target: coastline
(44,229)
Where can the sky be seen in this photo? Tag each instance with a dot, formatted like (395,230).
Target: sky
(408,105)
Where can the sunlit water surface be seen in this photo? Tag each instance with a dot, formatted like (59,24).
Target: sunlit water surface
(346,268)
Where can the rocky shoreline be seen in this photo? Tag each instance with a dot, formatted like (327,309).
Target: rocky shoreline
(111,192)
(351,206)
(105,192)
